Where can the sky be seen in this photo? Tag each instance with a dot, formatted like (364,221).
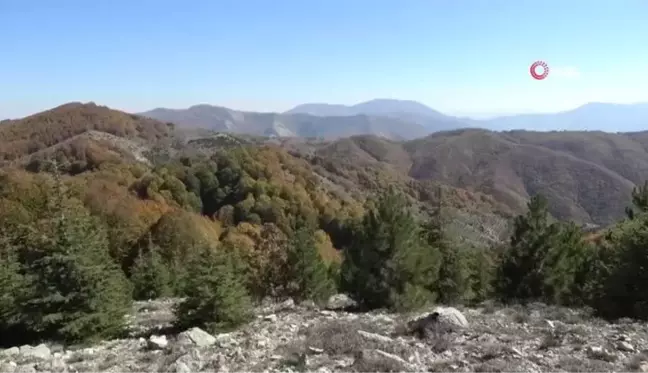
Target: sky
(466,57)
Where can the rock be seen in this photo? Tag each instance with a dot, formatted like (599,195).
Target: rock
(40,352)
(340,302)
(8,367)
(189,362)
(440,321)
(197,337)
(272,317)
(374,359)
(625,346)
(315,350)
(600,353)
(56,365)
(157,342)
(29,368)
(288,304)
(643,367)
(375,337)
(451,316)
(10,351)
(226,340)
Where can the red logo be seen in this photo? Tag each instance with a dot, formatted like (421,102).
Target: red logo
(535,67)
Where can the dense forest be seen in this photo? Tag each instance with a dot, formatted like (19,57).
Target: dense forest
(83,234)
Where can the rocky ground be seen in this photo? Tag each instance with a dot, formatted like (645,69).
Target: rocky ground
(288,337)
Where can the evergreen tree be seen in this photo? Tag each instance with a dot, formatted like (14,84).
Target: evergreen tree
(75,291)
(521,273)
(389,264)
(150,276)
(481,271)
(12,284)
(639,201)
(623,291)
(567,256)
(307,273)
(217,298)
(452,284)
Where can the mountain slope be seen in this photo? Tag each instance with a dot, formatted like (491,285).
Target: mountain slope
(592,116)
(22,137)
(406,110)
(586,176)
(287,125)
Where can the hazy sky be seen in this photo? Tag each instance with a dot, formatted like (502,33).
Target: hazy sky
(458,56)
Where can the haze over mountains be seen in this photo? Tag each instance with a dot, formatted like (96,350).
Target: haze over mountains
(396,119)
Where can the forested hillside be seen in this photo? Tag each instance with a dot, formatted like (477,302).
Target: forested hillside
(586,176)
(100,207)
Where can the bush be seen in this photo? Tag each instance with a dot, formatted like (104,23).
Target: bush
(217,298)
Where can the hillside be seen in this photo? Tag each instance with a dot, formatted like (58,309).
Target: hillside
(22,137)
(93,142)
(287,125)
(587,176)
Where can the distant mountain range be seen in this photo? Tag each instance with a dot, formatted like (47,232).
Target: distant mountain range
(589,117)
(289,125)
(395,119)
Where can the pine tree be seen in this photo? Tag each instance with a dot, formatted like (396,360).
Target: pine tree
(482,270)
(622,291)
(564,260)
(388,263)
(76,292)
(452,284)
(150,276)
(521,274)
(217,298)
(308,275)
(639,201)
(12,284)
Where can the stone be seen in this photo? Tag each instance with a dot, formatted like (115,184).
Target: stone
(643,367)
(29,368)
(625,346)
(339,302)
(271,318)
(197,337)
(10,351)
(40,352)
(157,342)
(451,316)
(375,337)
(8,367)
(600,353)
(377,354)
(441,320)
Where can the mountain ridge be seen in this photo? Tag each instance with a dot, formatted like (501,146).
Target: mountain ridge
(399,119)
(286,125)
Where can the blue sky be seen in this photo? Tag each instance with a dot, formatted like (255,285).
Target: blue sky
(466,57)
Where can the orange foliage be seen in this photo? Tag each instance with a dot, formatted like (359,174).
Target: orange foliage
(42,130)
